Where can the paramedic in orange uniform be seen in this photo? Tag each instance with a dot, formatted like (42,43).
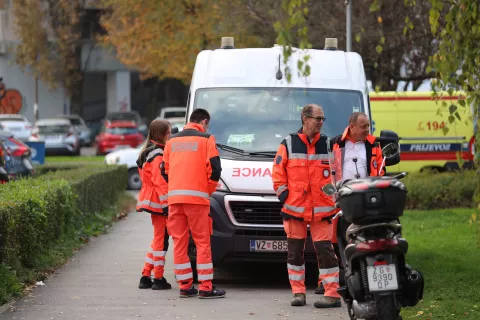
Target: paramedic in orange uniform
(191,166)
(359,146)
(152,198)
(300,170)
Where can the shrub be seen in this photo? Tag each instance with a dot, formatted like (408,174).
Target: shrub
(55,209)
(430,190)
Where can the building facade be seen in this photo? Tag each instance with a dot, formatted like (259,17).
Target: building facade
(108,84)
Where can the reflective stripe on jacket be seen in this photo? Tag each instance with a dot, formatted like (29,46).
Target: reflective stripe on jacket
(152,197)
(300,170)
(372,148)
(191,166)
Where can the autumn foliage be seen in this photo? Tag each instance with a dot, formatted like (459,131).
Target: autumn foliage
(163,38)
(50,41)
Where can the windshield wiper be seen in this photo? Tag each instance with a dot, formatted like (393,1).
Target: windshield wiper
(230,149)
(264,153)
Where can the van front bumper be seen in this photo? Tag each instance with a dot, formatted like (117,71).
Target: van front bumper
(231,240)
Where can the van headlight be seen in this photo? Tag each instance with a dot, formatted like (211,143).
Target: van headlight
(221,186)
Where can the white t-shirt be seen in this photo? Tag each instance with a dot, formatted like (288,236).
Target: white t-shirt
(354,150)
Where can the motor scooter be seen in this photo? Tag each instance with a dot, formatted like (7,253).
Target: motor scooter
(378,281)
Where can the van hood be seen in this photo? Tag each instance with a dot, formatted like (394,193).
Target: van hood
(248,176)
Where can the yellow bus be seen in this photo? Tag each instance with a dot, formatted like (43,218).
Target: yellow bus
(423,142)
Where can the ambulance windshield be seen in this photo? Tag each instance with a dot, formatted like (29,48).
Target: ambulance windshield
(258,119)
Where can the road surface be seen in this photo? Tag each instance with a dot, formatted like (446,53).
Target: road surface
(100,282)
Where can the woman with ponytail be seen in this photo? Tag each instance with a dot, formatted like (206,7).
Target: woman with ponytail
(153,199)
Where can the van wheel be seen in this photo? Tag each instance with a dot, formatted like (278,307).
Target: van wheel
(134,182)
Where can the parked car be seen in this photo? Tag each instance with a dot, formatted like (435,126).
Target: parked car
(17,124)
(172,112)
(84,132)
(4,178)
(118,135)
(129,116)
(16,155)
(129,158)
(59,136)
(178,123)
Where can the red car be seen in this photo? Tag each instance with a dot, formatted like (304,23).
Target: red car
(118,135)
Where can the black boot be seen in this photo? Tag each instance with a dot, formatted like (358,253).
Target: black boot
(161,284)
(214,294)
(320,289)
(145,283)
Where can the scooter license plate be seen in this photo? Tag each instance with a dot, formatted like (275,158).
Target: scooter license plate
(382,278)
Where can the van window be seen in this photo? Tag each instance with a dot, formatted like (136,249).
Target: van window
(258,119)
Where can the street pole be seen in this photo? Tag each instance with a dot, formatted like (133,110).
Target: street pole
(349,25)
(35,104)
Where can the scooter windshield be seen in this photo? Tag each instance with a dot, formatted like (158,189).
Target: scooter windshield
(347,163)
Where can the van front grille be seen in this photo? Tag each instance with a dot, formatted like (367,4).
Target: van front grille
(257,212)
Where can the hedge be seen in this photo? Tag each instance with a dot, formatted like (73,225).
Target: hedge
(430,190)
(37,214)
(97,185)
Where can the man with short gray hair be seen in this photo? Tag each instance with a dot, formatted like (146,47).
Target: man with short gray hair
(300,170)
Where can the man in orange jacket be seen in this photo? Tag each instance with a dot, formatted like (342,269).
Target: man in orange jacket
(300,170)
(361,157)
(191,166)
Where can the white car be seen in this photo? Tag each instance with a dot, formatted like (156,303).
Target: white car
(17,124)
(178,123)
(172,112)
(59,136)
(129,158)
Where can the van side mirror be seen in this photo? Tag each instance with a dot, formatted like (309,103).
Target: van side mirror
(175,130)
(386,137)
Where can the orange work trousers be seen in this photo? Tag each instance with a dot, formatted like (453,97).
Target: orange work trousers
(321,232)
(155,259)
(195,218)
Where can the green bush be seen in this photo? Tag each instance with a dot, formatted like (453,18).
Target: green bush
(430,190)
(97,185)
(52,211)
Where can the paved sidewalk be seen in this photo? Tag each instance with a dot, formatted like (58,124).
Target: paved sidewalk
(101,281)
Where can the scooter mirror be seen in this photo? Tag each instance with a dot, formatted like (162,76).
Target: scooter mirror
(390,150)
(329,189)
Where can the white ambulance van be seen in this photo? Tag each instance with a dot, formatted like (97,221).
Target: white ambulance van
(253,108)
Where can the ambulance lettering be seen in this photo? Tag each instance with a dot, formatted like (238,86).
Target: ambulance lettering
(251,172)
(430,147)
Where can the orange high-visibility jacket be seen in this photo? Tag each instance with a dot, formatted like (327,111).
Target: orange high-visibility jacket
(372,147)
(191,166)
(300,170)
(152,197)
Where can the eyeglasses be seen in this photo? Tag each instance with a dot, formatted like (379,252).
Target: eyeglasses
(317,118)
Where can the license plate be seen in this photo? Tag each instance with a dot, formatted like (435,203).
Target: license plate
(382,278)
(268,245)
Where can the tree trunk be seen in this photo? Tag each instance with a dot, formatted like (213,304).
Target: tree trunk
(152,111)
(76,98)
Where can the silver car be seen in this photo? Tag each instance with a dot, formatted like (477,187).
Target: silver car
(84,132)
(17,124)
(59,135)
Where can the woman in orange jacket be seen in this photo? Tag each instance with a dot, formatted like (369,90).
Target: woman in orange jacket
(153,199)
